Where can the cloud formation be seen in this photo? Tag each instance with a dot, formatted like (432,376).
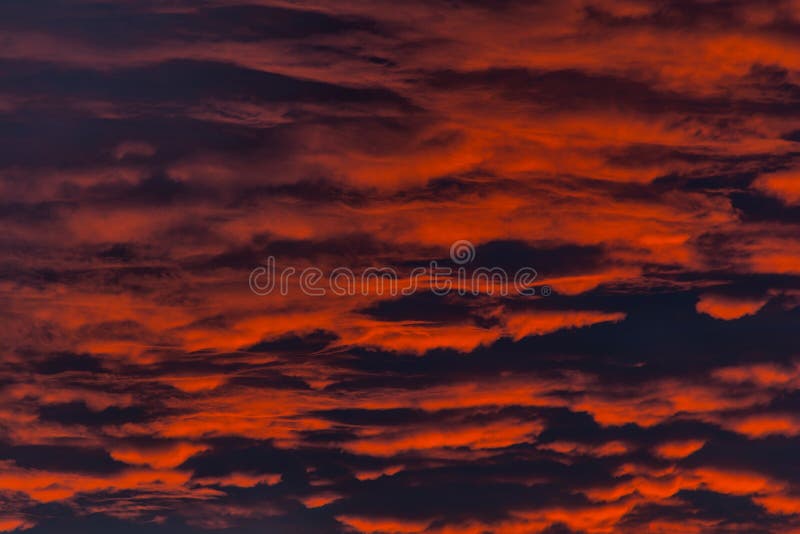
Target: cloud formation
(641,156)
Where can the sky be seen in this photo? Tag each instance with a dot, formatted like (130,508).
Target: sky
(642,156)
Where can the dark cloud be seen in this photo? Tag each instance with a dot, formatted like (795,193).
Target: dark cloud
(62,458)
(77,413)
(124,25)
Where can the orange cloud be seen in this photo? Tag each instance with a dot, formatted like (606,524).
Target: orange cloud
(784,185)
(317,500)
(729,308)
(522,324)
(765,424)
(675,450)
(160,457)
(612,448)
(765,375)
(372,474)
(241,480)
(370,525)
(496,434)
(11,524)
(49,486)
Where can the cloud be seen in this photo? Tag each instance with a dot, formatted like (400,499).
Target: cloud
(639,155)
(729,308)
(523,324)
(782,185)
(672,450)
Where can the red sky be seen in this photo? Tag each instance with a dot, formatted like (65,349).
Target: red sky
(641,155)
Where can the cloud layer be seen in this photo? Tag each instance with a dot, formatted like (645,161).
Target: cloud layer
(642,156)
